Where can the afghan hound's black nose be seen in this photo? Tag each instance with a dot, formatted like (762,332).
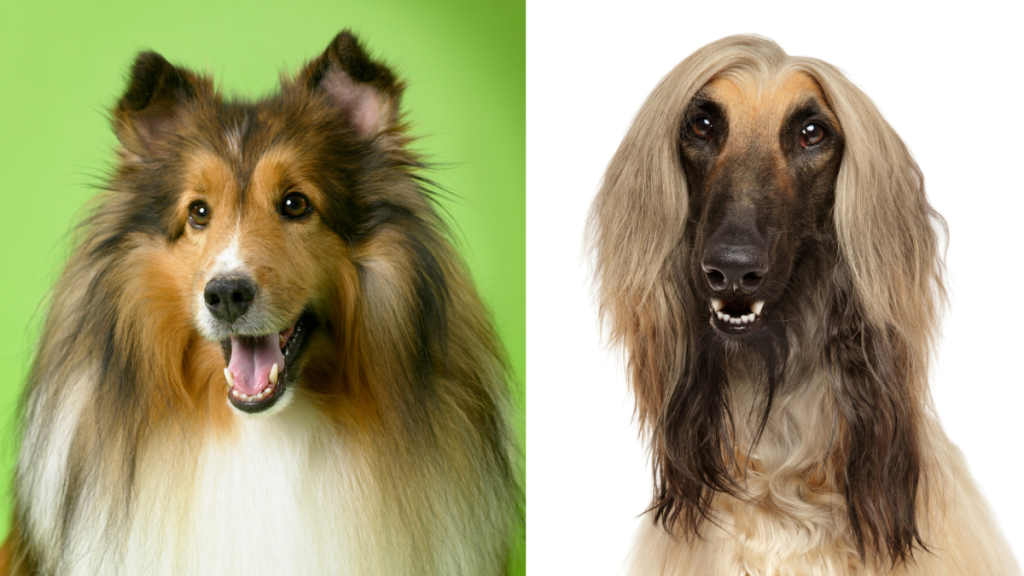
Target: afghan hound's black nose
(735,268)
(228,298)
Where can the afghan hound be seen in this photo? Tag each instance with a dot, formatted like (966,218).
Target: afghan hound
(265,356)
(766,256)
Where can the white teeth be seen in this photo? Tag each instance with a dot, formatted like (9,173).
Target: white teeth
(717,306)
(273,374)
(235,393)
(227,376)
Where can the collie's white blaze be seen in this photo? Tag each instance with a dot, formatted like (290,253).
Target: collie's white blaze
(228,261)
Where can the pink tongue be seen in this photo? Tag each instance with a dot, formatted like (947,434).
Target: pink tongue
(251,361)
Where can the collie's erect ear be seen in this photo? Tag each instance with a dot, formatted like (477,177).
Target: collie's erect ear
(154,104)
(365,91)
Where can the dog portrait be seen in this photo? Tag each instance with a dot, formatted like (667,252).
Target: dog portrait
(766,256)
(264,355)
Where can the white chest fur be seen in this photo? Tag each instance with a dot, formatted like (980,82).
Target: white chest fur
(277,496)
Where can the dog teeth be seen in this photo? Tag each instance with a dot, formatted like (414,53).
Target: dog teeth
(229,378)
(273,374)
(717,304)
(745,319)
(756,307)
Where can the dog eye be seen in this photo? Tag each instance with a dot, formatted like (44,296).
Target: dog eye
(295,205)
(199,214)
(811,135)
(702,127)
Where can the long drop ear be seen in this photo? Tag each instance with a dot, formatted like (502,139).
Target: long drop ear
(879,404)
(152,108)
(880,321)
(636,228)
(364,91)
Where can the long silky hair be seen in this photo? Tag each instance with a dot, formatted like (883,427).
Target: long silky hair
(878,297)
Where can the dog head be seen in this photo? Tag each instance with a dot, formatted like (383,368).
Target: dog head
(761,209)
(760,160)
(268,208)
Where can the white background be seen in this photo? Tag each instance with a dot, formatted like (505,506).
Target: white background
(951,85)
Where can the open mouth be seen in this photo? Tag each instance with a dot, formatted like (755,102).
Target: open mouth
(736,316)
(261,367)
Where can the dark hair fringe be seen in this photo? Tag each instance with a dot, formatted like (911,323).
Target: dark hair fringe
(870,370)
(695,452)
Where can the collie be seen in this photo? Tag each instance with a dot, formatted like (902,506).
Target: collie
(767,257)
(264,356)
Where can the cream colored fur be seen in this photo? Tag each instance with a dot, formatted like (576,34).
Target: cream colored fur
(788,529)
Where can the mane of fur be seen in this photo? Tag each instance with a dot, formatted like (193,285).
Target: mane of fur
(402,426)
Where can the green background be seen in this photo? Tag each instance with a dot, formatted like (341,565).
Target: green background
(64,64)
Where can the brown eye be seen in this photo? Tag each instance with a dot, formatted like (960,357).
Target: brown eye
(295,205)
(811,135)
(199,214)
(702,127)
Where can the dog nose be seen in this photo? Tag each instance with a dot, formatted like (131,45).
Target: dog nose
(739,268)
(229,298)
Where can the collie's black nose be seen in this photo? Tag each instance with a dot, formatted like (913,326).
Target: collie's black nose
(736,268)
(229,297)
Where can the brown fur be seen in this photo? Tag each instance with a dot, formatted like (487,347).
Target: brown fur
(399,418)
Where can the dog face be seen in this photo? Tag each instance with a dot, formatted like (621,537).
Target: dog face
(761,165)
(263,205)
(256,258)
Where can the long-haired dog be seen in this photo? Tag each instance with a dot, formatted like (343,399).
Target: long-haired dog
(265,357)
(766,256)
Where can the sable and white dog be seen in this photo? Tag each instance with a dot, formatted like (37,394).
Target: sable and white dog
(265,357)
(767,257)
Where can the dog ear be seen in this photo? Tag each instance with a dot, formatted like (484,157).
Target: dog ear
(365,92)
(880,321)
(878,404)
(152,108)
